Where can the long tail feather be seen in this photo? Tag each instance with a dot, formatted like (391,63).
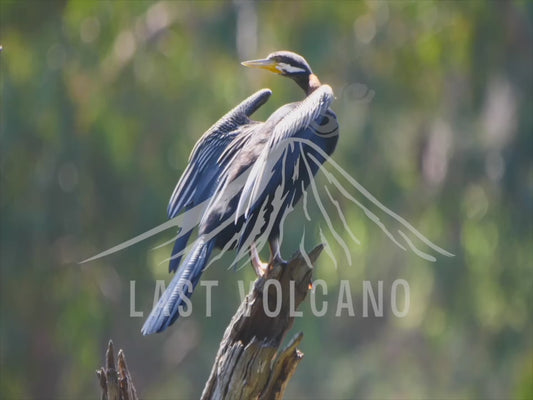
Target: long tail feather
(167,310)
(179,245)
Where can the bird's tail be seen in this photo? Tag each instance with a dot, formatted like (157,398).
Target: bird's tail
(179,246)
(180,288)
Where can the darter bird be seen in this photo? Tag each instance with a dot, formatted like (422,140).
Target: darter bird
(243,178)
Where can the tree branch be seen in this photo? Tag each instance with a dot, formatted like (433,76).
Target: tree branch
(116,385)
(248,364)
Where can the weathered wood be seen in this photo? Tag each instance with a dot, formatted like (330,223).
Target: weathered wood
(116,385)
(248,364)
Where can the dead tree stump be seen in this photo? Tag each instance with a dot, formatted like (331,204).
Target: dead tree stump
(115,384)
(248,364)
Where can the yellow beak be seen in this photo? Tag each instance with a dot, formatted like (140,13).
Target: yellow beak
(267,64)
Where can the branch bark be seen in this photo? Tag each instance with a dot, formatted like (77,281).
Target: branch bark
(115,384)
(249,364)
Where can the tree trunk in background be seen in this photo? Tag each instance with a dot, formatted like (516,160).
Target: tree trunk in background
(248,365)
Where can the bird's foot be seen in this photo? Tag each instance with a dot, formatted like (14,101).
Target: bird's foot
(275,250)
(260,267)
(277,260)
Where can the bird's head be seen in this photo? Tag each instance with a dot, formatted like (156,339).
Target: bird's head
(289,64)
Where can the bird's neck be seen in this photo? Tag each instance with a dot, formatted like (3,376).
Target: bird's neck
(314,84)
(309,83)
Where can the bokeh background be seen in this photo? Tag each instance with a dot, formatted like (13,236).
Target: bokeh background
(101,104)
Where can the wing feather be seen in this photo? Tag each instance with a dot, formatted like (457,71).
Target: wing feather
(197,179)
(292,124)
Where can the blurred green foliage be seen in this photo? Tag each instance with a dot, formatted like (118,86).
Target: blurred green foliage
(102,102)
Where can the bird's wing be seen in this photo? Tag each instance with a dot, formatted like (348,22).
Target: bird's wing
(293,123)
(238,143)
(193,186)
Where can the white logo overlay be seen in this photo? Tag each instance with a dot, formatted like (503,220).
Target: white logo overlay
(339,188)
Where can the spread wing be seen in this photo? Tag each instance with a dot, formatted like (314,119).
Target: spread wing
(199,177)
(293,124)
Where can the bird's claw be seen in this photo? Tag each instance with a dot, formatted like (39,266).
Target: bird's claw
(260,267)
(277,260)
